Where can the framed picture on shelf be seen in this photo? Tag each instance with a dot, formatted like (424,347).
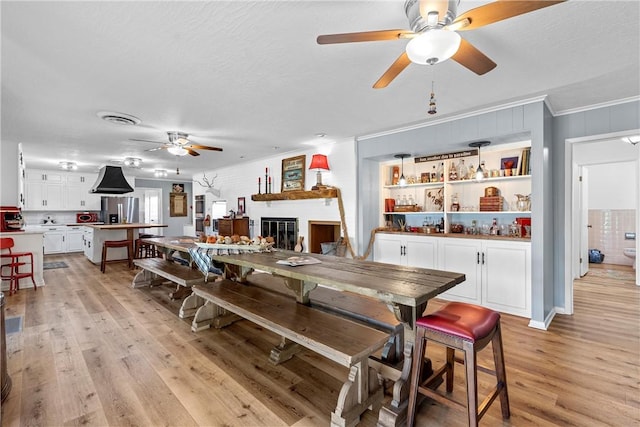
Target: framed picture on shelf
(241,206)
(508,162)
(293,173)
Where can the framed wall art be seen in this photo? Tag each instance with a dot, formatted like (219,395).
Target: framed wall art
(293,173)
(178,204)
(241,206)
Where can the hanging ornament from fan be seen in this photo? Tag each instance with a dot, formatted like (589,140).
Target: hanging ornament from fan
(432,102)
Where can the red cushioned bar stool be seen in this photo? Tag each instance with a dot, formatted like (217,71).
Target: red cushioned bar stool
(467,328)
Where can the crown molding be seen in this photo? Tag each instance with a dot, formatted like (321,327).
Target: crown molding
(596,106)
(455,117)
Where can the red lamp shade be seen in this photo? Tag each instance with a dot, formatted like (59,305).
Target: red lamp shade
(319,161)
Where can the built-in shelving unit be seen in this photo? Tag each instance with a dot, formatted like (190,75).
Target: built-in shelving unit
(325,193)
(434,201)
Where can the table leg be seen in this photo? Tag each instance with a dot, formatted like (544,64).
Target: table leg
(362,390)
(395,413)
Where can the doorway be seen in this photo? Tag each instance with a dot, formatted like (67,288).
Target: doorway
(151,209)
(583,156)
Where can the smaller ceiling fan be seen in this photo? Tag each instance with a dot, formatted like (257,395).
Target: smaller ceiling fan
(433,35)
(179,145)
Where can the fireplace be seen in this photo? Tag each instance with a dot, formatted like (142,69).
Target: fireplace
(283,230)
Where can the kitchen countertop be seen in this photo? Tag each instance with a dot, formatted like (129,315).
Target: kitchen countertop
(458,235)
(20,233)
(104,226)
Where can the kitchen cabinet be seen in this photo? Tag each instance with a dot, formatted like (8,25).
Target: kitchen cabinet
(63,239)
(43,191)
(50,190)
(498,273)
(54,240)
(231,226)
(405,249)
(78,196)
(74,239)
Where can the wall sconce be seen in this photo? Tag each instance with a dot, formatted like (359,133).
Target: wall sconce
(403,181)
(68,166)
(478,145)
(160,173)
(319,162)
(177,151)
(132,162)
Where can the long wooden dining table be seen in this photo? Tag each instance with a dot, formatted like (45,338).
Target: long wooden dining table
(405,290)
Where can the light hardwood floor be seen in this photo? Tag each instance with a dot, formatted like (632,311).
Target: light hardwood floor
(93,351)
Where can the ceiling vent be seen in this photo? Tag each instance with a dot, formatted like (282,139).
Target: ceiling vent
(119,118)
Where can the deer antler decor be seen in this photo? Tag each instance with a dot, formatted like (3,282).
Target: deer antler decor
(209,185)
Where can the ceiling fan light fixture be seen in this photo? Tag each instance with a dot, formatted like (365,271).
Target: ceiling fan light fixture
(433,46)
(132,162)
(177,150)
(68,166)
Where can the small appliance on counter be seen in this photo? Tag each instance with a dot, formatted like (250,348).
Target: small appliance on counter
(11,219)
(86,217)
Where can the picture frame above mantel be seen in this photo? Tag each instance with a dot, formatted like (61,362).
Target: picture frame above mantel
(293,173)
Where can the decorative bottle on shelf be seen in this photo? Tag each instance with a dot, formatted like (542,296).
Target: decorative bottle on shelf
(434,174)
(455,204)
(441,172)
(462,170)
(494,230)
(453,172)
(404,200)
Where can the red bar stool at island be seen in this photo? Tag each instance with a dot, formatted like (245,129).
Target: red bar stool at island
(116,244)
(17,261)
(467,328)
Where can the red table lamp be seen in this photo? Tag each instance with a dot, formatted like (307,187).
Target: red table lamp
(319,162)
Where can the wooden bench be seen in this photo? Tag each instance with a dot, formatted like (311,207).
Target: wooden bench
(342,340)
(157,270)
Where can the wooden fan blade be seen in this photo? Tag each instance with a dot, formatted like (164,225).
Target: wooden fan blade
(204,147)
(192,152)
(365,36)
(396,68)
(500,10)
(469,56)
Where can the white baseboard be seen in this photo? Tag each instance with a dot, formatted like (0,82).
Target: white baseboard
(547,321)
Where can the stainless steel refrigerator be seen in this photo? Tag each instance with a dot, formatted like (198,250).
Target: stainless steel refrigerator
(118,210)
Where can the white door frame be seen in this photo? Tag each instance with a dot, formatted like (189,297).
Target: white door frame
(571,212)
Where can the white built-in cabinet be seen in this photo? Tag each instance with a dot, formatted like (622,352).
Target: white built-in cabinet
(52,190)
(407,250)
(498,272)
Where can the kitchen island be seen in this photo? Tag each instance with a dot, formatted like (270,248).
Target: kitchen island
(96,234)
(28,241)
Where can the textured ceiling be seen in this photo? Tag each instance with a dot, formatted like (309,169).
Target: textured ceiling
(249,76)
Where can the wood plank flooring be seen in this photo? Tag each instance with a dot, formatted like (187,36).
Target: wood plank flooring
(93,351)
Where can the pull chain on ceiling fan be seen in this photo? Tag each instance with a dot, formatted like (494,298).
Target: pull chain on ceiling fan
(433,35)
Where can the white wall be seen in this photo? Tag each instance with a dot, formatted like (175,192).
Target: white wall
(242,181)
(613,186)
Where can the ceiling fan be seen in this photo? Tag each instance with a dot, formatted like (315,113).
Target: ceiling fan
(433,36)
(179,145)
